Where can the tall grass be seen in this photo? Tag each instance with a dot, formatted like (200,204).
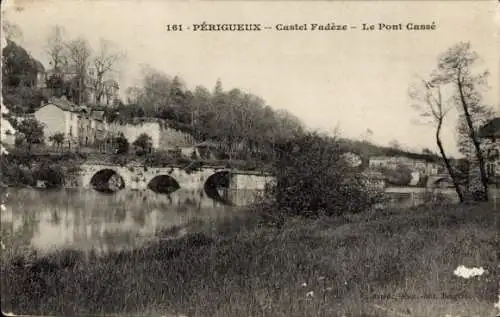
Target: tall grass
(359,265)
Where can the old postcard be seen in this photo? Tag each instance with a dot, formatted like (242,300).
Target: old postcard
(250,158)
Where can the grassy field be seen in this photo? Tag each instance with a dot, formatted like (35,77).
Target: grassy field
(397,263)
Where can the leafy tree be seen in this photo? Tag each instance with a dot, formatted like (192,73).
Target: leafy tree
(22,100)
(19,69)
(121,144)
(57,139)
(400,176)
(312,179)
(143,144)
(480,115)
(31,131)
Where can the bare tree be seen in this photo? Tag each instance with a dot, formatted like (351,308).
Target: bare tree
(455,68)
(430,105)
(103,64)
(79,53)
(57,50)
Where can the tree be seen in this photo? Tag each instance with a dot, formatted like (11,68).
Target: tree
(79,53)
(19,69)
(57,139)
(31,131)
(395,145)
(400,176)
(57,51)
(143,144)
(480,116)
(122,144)
(433,110)
(455,69)
(312,179)
(427,151)
(103,64)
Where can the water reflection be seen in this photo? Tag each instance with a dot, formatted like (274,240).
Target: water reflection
(87,219)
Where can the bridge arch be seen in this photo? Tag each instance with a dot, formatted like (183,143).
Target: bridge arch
(217,186)
(163,184)
(442,182)
(107,180)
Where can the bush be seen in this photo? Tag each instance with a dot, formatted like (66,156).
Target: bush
(160,158)
(143,144)
(15,175)
(400,176)
(122,144)
(313,180)
(53,175)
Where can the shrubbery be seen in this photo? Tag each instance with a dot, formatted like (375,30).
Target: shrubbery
(312,179)
(399,176)
(122,145)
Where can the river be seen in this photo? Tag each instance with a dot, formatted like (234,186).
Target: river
(49,220)
(78,219)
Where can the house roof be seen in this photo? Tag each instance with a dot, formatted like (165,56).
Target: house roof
(62,103)
(490,129)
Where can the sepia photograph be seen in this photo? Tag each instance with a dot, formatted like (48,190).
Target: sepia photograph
(193,158)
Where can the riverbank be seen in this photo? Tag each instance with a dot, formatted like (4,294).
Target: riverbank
(359,265)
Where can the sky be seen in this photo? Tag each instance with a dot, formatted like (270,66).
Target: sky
(354,80)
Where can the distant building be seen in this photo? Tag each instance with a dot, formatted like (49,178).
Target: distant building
(352,159)
(393,162)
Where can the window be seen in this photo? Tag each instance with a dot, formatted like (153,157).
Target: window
(491,169)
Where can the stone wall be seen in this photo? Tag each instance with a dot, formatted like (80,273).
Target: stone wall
(172,138)
(132,131)
(162,137)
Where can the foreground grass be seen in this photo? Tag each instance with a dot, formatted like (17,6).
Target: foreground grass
(397,264)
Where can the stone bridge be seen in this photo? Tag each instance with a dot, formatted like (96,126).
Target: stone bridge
(210,180)
(440,180)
